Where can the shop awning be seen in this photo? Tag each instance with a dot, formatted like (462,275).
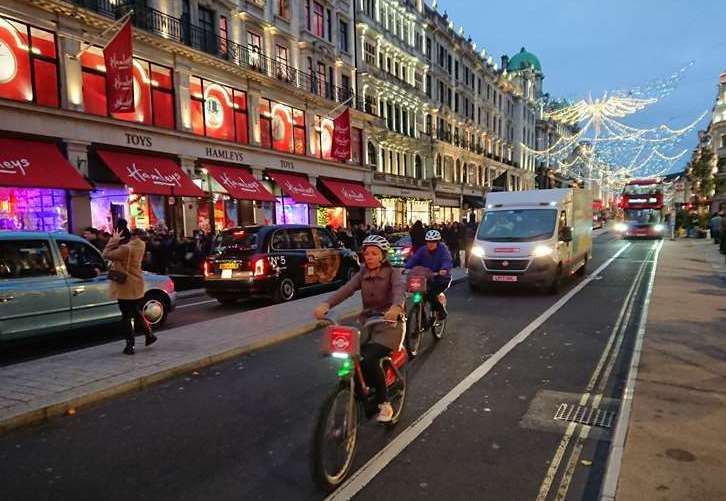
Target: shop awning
(474,202)
(35,164)
(239,183)
(297,187)
(351,194)
(150,175)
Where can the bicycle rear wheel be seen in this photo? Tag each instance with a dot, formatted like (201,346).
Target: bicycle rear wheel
(438,327)
(336,438)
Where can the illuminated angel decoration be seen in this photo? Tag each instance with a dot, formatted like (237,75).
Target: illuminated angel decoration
(605,149)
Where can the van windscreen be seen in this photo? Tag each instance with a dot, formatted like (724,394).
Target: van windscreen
(522,225)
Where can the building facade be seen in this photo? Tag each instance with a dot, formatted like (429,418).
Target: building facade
(234,103)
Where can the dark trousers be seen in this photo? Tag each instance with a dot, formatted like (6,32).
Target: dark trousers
(436,285)
(372,372)
(131,310)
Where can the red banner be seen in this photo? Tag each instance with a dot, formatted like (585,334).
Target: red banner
(118,58)
(341,136)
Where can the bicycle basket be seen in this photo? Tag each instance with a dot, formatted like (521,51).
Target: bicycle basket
(341,341)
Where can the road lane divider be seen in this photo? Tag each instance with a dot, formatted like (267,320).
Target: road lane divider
(604,365)
(617,445)
(360,478)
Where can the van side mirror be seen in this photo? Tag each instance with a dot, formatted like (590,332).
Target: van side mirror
(566,234)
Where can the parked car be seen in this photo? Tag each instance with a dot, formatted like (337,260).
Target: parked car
(401,247)
(53,282)
(275,261)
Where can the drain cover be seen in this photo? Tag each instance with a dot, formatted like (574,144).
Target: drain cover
(589,416)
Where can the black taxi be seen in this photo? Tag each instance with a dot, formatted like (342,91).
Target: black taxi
(275,261)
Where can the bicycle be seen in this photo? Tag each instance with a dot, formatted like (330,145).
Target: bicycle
(419,316)
(336,431)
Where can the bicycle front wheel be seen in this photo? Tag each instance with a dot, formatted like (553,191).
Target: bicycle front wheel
(336,438)
(414,330)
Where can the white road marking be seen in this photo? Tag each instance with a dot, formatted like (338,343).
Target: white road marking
(585,397)
(189,305)
(375,465)
(617,446)
(609,355)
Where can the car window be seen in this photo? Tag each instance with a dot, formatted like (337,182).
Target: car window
(301,239)
(279,240)
(76,253)
(25,258)
(326,239)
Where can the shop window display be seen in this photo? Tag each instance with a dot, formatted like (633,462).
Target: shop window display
(218,111)
(28,64)
(322,144)
(33,209)
(109,203)
(282,127)
(288,212)
(153,91)
(333,216)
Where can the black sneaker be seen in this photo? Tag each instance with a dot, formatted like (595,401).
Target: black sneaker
(151,339)
(129,350)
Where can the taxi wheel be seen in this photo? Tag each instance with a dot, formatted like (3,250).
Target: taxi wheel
(155,309)
(285,291)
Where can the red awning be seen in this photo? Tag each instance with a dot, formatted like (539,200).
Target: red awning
(239,183)
(297,187)
(351,194)
(35,164)
(150,175)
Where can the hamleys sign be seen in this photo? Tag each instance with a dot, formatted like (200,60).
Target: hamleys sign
(154,176)
(239,184)
(299,189)
(354,195)
(15,166)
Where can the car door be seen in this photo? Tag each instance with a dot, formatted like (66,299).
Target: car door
(34,295)
(301,256)
(88,283)
(329,257)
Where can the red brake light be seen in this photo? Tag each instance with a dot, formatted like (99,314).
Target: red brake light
(260,266)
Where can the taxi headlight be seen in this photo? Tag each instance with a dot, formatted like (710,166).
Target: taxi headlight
(659,228)
(477,251)
(621,227)
(542,250)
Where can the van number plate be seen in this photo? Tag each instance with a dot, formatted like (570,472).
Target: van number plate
(504,278)
(226,273)
(229,266)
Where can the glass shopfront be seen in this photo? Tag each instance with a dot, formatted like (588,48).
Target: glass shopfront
(402,211)
(289,212)
(33,209)
(333,216)
(443,214)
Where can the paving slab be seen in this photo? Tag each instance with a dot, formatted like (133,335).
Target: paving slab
(675,440)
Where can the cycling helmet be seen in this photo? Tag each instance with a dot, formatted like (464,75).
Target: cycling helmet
(433,236)
(378,241)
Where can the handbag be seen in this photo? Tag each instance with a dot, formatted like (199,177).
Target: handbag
(120,276)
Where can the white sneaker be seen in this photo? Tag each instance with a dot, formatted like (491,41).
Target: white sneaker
(385,413)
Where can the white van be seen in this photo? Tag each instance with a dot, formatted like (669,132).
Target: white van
(534,238)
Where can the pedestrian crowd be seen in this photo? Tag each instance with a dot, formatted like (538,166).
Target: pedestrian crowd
(457,236)
(166,252)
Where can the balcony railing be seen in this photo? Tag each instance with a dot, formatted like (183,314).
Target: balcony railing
(249,57)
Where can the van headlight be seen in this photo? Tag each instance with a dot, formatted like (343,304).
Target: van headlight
(659,227)
(542,251)
(477,251)
(621,227)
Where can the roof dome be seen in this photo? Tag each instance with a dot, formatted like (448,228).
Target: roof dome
(523,60)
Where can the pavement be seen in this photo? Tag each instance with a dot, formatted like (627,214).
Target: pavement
(60,384)
(674,443)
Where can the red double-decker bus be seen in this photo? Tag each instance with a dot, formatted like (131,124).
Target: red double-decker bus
(643,209)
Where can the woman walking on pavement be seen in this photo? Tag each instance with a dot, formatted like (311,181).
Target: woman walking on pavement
(126,251)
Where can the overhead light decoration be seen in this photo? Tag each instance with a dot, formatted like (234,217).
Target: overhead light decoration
(603,148)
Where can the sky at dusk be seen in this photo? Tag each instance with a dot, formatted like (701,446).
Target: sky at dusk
(588,46)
